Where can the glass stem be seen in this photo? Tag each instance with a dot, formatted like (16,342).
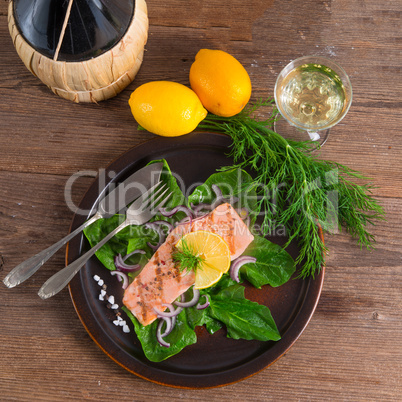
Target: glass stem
(314,136)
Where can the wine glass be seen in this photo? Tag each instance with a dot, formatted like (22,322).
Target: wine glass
(312,93)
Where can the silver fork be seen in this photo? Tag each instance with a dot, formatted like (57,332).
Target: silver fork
(140,211)
(126,192)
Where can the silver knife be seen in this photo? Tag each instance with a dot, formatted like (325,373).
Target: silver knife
(126,192)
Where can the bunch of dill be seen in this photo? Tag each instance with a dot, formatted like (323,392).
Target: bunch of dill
(296,189)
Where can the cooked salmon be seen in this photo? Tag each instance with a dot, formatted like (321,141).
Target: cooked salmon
(161,282)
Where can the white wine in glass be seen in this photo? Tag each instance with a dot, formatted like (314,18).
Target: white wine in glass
(313,93)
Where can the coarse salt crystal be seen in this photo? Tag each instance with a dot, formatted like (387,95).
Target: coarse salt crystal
(116,322)
(115,306)
(122,323)
(119,318)
(103,292)
(111,299)
(97,278)
(101,282)
(126,329)
(101,298)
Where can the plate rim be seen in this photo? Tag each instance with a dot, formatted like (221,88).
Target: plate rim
(297,327)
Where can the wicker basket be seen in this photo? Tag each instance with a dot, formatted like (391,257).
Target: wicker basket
(91,80)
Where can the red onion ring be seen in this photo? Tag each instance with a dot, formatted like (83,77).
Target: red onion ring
(173,322)
(205,305)
(158,229)
(173,312)
(122,277)
(169,326)
(190,303)
(170,323)
(154,247)
(170,316)
(123,267)
(200,217)
(166,223)
(217,191)
(187,219)
(180,208)
(138,251)
(237,264)
(159,335)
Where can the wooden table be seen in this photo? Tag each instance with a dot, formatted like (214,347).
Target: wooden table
(352,348)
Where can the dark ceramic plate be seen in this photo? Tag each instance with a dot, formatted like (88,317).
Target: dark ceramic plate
(214,360)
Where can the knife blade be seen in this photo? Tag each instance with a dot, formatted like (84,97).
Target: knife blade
(130,189)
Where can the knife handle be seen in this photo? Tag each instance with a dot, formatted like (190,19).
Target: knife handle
(27,268)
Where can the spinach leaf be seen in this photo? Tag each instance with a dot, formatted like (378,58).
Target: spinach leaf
(181,336)
(228,307)
(177,197)
(202,317)
(225,282)
(274,266)
(197,317)
(232,183)
(140,243)
(118,244)
(243,318)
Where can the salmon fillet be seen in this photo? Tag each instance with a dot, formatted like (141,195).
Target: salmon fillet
(161,282)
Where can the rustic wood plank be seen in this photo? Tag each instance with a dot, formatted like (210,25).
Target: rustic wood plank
(53,132)
(3,7)
(351,348)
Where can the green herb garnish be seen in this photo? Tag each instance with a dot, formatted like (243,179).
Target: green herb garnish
(186,258)
(296,189)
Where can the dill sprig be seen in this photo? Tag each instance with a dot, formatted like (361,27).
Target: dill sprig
(185,257)
(296,189)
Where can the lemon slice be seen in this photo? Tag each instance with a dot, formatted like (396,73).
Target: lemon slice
(215,255)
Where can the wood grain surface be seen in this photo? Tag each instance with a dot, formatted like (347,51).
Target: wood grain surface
(352,348)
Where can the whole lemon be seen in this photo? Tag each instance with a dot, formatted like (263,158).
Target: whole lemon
(220,81)
(166,108)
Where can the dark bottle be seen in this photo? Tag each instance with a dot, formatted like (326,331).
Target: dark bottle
(93,26)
